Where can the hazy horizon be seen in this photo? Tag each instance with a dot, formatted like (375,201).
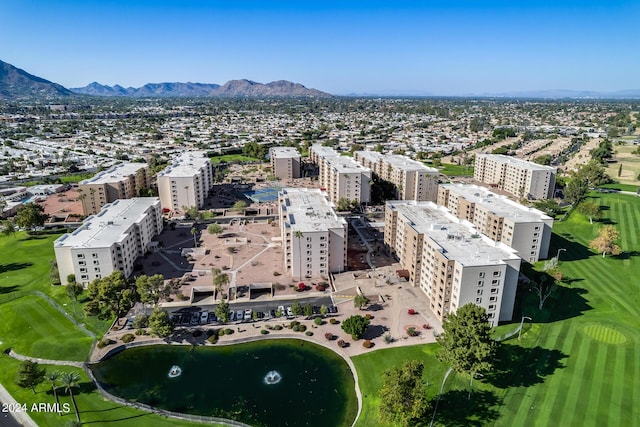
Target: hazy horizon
(441,48)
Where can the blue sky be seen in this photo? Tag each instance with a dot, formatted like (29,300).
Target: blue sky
(434,47)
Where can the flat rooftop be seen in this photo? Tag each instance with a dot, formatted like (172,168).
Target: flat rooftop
(186,164)
(110,225)
(499,205)
(115,173)
(458,239)
(372,156)
(501,158)
(323,151)
(343,164)
(309,210)
(283,153)
(407,164)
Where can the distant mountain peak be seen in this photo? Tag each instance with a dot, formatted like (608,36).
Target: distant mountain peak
(232,88)
(16,83)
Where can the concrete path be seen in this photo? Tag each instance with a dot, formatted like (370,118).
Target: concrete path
(45,361)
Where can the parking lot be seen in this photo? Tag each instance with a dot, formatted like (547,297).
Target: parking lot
(244,312)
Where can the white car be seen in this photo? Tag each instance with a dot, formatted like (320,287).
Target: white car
(289,312)
(281,310)
(204,317)
(248,314)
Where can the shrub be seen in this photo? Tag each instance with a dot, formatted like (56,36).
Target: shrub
(342,343)
(211,332)
(264,332)
(302,328)
(328,336)
(221,332)
(368,316)
(128,338)
(388,338)
(411,311)
(140,332)
(293,324)
(212,339)
(301,287)
(333,321)
(318,321)
(196,333)
(296,328)
(412,332)
(277,327)
(308,333)
(321,286)
(104,342)
(367,344)
(141,321)
(228,331)
(276,273)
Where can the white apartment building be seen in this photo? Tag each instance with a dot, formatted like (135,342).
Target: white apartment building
(122,181)
(516,176)
(524,229)
(285,162)
(450,261)
(186,182)
(413,180)
(341,176)
(111,240)
(314,238)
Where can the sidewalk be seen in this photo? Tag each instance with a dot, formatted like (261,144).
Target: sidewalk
(21,418)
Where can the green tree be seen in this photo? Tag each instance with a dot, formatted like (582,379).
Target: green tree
(466,342)
(69,381)
(590,209)
(307,310)
(222,311)
(355,326)
(220,279)
(74,290)
(160,324)
(30,374)
(360,301)
(215,228)
(53,377)
(298,235)
(548,206)
(239,206)
(605,242)
(31,215)
(593,173)
(152,288)
(403,397)
(576,190)
(8,228)
(110,296)
(343,204)
(194,233)
(296,308)
(324,310)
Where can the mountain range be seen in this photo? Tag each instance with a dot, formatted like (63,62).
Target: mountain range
(18,84)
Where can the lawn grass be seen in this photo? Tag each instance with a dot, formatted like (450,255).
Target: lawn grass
(576,363)
(454,170)
(234,158)
(32,326)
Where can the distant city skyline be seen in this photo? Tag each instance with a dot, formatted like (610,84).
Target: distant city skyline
(358,47)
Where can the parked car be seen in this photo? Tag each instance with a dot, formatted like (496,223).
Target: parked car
(204,317)
(212,317)
(239,315)
(315,309)
(194,318)
(333,309)
(272,314)
(248,314)
(282,311)
(289,312)
(232,316)
(260,315)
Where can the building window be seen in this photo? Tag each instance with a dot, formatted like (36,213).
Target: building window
(80,256)
(478,300)
(492,307)
(496,274)
(495,281)
(481,274)
(479,292)
(480,283)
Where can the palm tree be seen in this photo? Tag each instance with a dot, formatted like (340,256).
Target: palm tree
(194,233)
(53,378)
(298,235)
(70,380)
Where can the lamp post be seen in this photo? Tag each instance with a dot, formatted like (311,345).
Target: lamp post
(558,254)
(521,324)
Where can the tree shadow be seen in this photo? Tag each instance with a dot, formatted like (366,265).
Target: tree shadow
(7,289)
(565,302)
(33,237)
(606,221)
(14,266)
(573,251)
(627,255)
(456,410)
(374,331)
(517,366)
(101,422)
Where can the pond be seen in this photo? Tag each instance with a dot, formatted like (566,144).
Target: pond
(277,382)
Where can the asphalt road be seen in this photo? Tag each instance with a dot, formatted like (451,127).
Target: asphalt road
(6,418)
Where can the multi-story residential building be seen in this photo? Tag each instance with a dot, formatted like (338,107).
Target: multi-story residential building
(450,261)
(285,162)
(525,229)
(515,176)
(111,240)
(314,238)
(122,181)
(341,176)
(186,182)
(412,179)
